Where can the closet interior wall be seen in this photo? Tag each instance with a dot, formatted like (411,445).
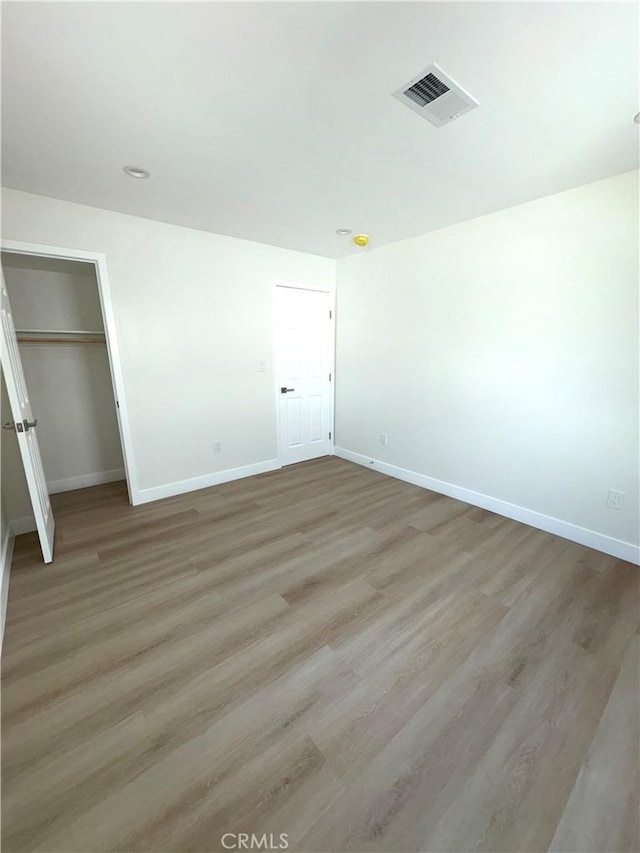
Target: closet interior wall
(55,305)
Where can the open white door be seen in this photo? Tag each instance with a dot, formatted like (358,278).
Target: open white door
(304,336)
(25,426)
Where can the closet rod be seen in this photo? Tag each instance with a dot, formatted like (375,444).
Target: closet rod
(59,332)
(60,341)
(57,336)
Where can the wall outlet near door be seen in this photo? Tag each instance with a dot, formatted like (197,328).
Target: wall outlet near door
(384,439)
(217,447)
(615,499)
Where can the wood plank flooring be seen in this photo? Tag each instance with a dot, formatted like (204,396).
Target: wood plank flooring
(324,652)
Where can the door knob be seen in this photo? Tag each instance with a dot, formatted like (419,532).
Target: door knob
(9,425)
(29,424)
(284,390)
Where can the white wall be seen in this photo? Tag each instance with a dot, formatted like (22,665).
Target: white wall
(193,318)
(52,294)
(69,385)
(501,355)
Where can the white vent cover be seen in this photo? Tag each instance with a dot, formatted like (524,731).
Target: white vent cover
(436,97)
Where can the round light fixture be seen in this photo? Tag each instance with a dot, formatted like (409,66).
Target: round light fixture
(136,172)
(361,240)
(636,118)
(343,231)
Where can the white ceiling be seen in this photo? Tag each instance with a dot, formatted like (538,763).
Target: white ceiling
(275,121)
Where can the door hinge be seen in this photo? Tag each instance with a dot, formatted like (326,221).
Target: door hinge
(329,377)
(329,435)
(330,314)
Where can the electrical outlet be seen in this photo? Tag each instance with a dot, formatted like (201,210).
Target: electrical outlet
(217,447)
(615,499)
(384,439)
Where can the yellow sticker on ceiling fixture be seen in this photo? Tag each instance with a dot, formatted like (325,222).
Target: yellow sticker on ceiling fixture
(361,240)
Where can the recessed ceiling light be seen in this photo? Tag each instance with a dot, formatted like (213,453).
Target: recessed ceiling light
(343,231)
(636,118)
(136,172)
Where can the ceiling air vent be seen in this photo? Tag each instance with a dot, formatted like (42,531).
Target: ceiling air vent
(436,97)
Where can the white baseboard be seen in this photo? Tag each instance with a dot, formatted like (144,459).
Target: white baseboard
(169,490)
(6,555)
(23,525)
(84,481)
(565,529)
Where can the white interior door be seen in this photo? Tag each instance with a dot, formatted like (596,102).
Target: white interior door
(304,340)
(25,426)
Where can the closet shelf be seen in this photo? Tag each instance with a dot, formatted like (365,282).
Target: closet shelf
(58,336)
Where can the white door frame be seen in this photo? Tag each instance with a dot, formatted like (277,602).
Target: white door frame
(99,260)
(276,366)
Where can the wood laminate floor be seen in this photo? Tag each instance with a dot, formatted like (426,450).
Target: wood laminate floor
(324,652)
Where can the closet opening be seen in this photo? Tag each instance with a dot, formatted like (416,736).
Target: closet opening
(59,318)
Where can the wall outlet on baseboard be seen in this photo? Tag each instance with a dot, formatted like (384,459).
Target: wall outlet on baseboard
(384,439)
(615,499)
(217,447)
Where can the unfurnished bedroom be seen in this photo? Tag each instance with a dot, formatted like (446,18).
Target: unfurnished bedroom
(320,427)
